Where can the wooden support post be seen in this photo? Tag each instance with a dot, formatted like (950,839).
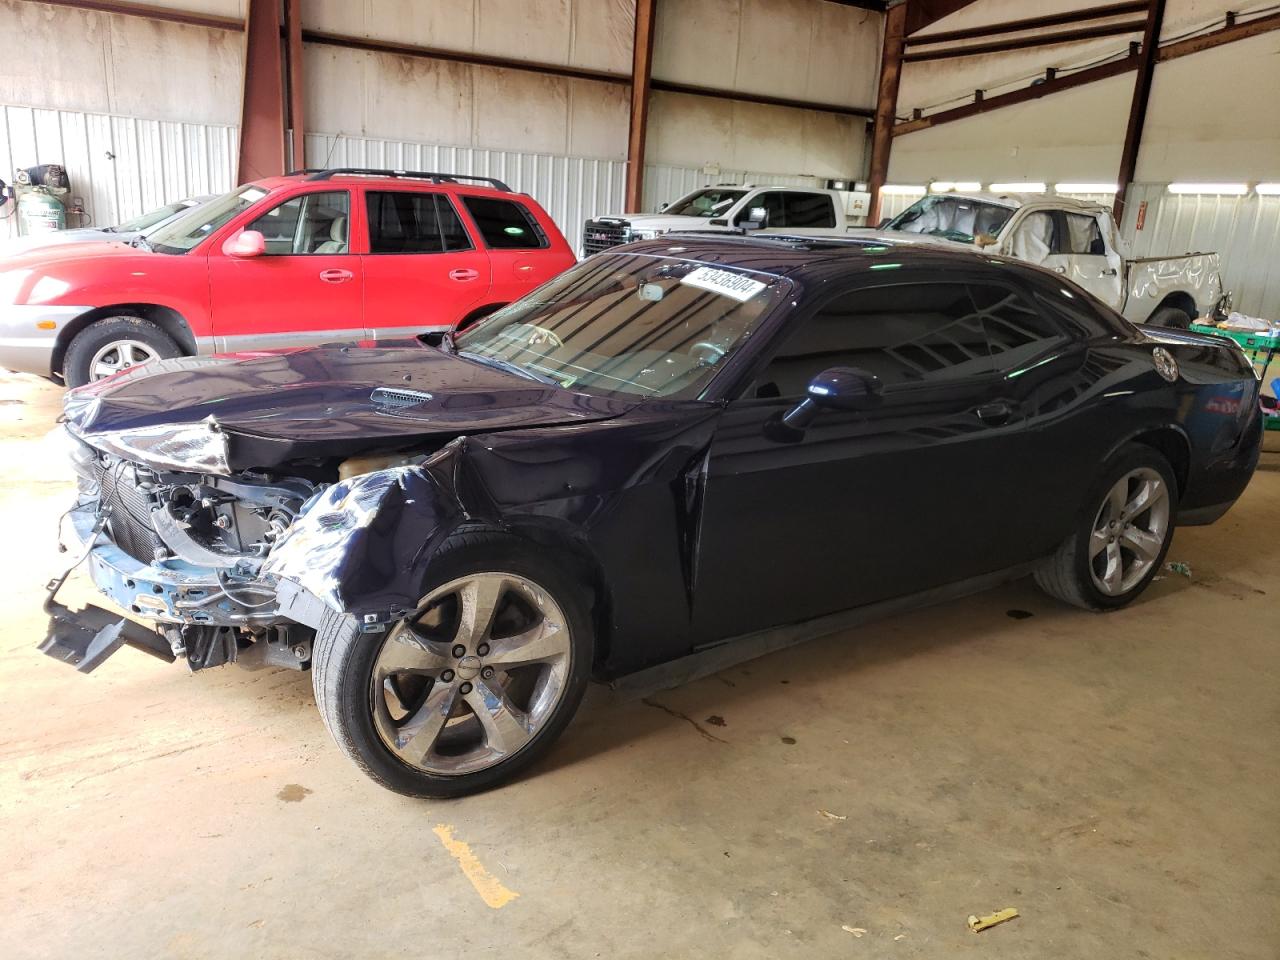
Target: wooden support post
(895,35)
(1138,105)
(641,72)
(297,120)
(262,107)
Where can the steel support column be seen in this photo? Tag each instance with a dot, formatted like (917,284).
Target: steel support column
(895,35)
(293,50)
(641,71)
(1138,105)
(262,113)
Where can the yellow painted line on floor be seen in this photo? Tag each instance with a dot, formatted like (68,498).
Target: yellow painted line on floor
(487,885)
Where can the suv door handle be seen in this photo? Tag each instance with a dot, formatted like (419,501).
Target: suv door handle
(336,276)
(464,274)
(995,414)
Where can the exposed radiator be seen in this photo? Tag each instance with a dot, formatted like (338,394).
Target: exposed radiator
(129,520)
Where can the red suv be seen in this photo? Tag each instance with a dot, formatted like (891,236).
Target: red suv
(306,258)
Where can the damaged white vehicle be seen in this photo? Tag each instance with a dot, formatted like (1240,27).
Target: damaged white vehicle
(1078,240)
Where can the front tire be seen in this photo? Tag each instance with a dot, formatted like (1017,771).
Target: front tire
(473,686)
(113,344)
(1121,539)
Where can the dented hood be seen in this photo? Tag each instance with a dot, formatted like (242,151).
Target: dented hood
(240,411)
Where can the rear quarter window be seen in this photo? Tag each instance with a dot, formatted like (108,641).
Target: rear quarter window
(505,224)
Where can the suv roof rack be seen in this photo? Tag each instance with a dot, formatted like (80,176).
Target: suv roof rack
(325,174)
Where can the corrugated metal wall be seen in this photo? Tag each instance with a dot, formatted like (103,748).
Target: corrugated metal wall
(121,166)
(571,189)
(1245,231)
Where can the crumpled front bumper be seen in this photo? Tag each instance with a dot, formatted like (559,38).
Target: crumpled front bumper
(168,591)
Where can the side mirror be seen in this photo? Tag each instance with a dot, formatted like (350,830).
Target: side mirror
(663,205)
(245,244)
(984,240)
(836,388)
(884,222)
(757,219)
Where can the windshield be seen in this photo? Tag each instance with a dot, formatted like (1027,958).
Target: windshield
(713,202)
(150,218)
(956,218)
(196,224)
(631,324)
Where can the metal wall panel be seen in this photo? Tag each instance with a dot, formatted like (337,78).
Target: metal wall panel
(120,166)
(1244,231)
(571,189)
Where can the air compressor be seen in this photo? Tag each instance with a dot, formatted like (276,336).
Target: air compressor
(42,199)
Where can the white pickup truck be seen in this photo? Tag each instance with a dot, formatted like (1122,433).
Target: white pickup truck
(1078,240)
(726,207)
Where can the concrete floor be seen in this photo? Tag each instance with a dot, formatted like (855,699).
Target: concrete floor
(1117,779)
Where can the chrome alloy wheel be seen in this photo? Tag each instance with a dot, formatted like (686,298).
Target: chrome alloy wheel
(472,676)
(119,355)
(1129,531)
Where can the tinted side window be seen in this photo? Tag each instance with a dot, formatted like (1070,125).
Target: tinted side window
(1016,331)
(308,224)
(809,210)
(1079,317)
(904,334)
(773,204)
(413,223)
(504,224)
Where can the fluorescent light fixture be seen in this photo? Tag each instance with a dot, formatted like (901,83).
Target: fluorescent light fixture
(959,186)
(1268,189)
(1085,187)
(1234,189)
(1018,188)
(903,190)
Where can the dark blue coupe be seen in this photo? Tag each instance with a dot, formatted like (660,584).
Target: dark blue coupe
(675,445)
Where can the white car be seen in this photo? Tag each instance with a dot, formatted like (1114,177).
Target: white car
(797,211)
(129,230)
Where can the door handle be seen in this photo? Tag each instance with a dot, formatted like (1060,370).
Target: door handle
(464,274)
(336,276)
(995,414)
(1109,273)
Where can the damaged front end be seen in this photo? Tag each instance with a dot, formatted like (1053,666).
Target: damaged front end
(230,567)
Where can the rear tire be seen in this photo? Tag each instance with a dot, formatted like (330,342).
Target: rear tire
(1120,540)
(423,721)
(1172,317)
(112,344)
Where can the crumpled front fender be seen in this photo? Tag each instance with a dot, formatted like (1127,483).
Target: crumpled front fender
(362,546)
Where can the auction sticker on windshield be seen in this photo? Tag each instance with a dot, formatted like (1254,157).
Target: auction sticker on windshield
(723,282)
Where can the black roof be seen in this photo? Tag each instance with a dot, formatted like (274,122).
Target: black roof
(796,256)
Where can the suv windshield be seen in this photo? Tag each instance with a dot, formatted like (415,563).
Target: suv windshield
(150,218)
(192,227)
(956,218)
(706,203)
(630,324)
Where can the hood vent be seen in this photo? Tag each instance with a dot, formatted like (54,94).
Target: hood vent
(397,398)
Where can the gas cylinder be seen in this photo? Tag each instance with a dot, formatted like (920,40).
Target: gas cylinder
(39,211)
